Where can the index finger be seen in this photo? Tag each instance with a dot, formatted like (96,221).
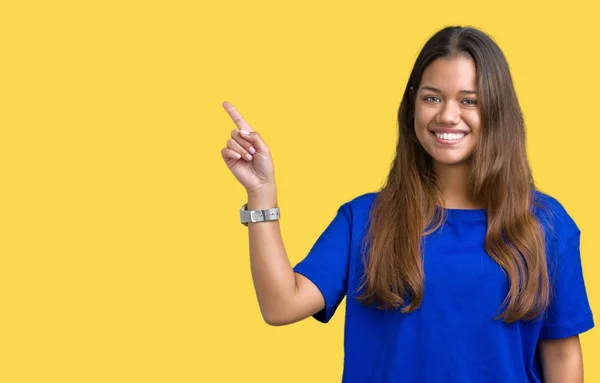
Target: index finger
(237,117)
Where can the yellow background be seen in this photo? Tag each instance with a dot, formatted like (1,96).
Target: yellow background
(122,258)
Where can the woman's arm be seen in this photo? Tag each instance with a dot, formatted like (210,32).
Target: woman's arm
(562,360)
(284,297)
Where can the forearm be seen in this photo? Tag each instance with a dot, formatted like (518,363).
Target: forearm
(272,273)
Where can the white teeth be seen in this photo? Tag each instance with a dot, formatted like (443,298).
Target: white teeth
(450,136)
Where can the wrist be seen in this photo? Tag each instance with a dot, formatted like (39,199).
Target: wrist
(263,198)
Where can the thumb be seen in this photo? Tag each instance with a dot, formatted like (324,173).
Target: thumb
(256,140)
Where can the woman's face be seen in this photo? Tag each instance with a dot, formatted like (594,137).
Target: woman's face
(447,116)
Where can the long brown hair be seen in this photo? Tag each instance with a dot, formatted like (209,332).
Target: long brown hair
(406,207)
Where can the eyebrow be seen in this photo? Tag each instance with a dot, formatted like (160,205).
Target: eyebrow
(427,87)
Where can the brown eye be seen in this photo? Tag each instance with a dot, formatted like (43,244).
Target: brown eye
(432,99)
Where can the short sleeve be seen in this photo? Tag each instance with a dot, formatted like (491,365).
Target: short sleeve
(569,312)
(326,264)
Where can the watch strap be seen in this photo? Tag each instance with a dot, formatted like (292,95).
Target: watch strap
(258,215)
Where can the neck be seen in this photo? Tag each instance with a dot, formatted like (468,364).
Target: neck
(453,182)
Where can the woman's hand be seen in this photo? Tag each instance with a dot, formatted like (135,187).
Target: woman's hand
(247,156)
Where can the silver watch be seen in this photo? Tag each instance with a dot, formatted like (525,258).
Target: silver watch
(260,215)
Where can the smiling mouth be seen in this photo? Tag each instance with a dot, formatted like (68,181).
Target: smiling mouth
(449,138)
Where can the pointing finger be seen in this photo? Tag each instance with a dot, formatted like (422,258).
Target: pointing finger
(237,117)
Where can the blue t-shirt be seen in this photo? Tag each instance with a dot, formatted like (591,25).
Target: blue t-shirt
(452,336)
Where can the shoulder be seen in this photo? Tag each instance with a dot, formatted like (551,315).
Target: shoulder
(355,211)
(361,204)
(553,215)
(559,226)
(363,200)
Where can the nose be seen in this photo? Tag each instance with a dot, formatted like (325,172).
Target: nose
(449,114)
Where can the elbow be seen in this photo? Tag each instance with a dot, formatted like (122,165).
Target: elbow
(279,317)
(275,320)
(275,323)
(281,312)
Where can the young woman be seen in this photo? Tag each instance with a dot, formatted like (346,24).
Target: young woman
(458,269)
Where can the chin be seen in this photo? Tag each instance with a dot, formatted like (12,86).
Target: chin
(448,163)
(451,161)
